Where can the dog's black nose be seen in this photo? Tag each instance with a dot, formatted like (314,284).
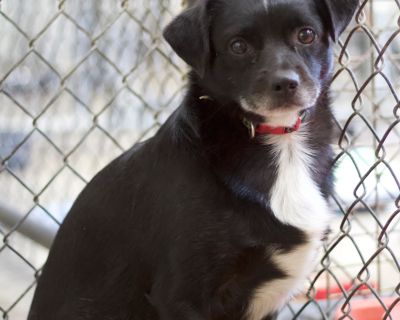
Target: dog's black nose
(285,82)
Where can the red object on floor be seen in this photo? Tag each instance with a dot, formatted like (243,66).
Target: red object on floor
(371,309)
(323,293)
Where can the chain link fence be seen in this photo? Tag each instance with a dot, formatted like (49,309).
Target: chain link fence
(81,81)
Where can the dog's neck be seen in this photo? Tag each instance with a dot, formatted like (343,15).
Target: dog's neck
(224,141)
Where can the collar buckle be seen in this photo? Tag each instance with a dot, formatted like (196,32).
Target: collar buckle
(250,126)
(289,129)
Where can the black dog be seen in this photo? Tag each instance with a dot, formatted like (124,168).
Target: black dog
(218,216)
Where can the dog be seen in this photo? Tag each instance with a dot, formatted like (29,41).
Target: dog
(220,215)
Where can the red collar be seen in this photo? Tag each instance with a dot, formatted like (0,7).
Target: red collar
(266,129)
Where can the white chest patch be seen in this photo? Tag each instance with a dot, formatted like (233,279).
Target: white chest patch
(295,197)
(295,200)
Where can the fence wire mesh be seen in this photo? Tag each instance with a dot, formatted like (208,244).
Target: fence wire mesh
(81,81)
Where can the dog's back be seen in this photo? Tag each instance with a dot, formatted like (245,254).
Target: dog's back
(94,253)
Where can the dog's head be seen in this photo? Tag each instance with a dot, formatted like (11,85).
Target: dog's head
(272,57)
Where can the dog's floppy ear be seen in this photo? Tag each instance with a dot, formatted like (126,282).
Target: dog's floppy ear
(340,13)
(188,35)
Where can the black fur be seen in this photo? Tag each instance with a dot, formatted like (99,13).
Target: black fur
(177,227)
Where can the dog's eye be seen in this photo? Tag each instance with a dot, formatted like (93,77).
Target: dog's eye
(306,36)
(238,46)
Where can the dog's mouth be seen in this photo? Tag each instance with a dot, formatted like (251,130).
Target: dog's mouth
(283,116)
(284,113)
